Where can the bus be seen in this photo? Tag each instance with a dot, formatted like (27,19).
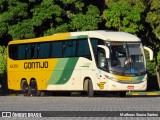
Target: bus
(87,61)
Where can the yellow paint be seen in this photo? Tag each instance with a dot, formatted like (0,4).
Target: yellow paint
(152,93)
(42,75)
(16,71)
(123,77)
(55,37)
(101,85)
(135,94)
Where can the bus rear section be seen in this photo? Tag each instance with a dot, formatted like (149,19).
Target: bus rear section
(35,66)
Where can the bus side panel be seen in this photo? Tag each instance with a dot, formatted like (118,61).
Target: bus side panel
(69,74)
(58,74)
(40,70)
(65,75)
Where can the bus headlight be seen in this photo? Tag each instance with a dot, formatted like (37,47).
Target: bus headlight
(111,78)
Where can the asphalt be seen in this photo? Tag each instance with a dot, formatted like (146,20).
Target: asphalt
(136,93)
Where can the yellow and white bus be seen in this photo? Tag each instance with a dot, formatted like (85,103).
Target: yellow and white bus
(86,61)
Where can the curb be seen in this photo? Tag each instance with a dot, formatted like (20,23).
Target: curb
(151,93)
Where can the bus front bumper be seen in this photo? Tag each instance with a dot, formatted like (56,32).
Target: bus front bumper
(116,86)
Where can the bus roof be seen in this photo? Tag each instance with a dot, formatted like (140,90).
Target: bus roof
(109,35)
(101,34)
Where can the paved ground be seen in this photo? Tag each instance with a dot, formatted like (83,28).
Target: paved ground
(81,103)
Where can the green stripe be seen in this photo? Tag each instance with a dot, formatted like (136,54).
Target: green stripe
(63,71)
(58,70)
(69,68)
(138,78)
(77,37)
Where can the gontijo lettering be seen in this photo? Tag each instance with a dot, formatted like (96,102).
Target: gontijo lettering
(35,65)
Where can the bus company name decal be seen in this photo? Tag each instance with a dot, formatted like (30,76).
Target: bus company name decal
(35,65)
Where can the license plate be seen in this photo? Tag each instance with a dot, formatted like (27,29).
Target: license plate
(130,87)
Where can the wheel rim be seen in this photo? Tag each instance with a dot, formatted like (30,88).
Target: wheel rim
(25,88)
(33,88)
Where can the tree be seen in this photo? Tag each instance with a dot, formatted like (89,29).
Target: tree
(153,17)
(35,18)
(3,66)
(87,21)
(77,16)
(124,15)
(2,60)
(11,12)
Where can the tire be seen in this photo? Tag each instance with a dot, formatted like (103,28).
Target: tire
(34,90)
(90,91)
(122,94)
(25,88)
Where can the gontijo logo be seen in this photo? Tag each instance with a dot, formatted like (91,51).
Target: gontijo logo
(35,65)
(101,85)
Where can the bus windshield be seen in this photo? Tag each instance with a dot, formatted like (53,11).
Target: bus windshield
(126,59)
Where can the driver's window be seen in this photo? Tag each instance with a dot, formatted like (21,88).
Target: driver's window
(102,61)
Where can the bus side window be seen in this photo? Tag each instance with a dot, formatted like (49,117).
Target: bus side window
(56,50)
(21,51)
(30,51)
(13,52)
(43,49)
(83,49)
(102,60)
(70,49)
(94,43)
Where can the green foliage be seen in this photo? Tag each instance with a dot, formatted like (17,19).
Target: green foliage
(61,28)
(12,12)
(22,29)
(2,60)
(123,16)
(158,59)
(35,18)
(88,21)
(153,17)
(45,11)
(151,65)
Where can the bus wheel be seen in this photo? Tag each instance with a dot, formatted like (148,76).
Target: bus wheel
(25,88)
(90,91)
(34,90)
(122,94)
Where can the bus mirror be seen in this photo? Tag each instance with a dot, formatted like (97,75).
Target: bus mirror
(106,49)
(150,52)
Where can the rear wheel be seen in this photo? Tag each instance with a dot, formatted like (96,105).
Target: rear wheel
(34,88)
(25,88)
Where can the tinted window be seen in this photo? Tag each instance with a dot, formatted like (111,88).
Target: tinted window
(83,49)
(94,43)
(44,50)
(13,52)
(21,51)
(70,49)
(29,51)
(36,49)
(56,49)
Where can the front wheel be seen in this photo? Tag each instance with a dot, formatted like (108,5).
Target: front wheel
(90,89)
